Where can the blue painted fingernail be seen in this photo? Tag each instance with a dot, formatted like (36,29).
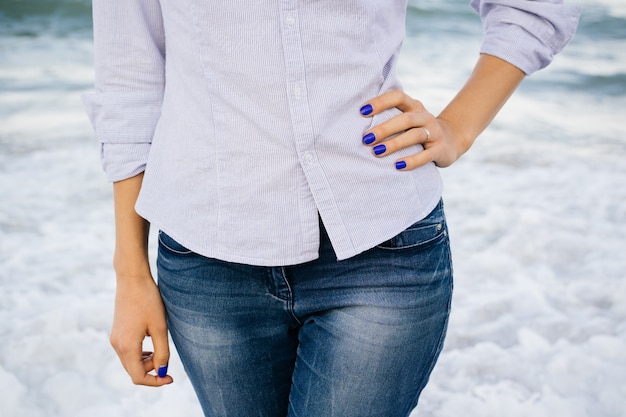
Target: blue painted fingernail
(367,109)
(400,165)
(369,138)
(378,149)
(162,371)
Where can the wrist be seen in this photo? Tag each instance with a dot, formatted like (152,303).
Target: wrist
(461,140)
(131,264)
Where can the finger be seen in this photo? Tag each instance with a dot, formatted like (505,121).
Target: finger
(161,355)
(134,360)
(395,125)
(415,161)
(401,124)
(148,363)
(136,368)
(410,137)
(388,100)
(119,349)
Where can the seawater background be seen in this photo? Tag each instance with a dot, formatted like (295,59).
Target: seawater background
(537,213)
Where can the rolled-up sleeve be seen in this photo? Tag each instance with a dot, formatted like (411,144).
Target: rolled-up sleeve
(129,49)
(526,33)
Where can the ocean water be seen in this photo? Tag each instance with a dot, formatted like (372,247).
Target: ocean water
(536,209)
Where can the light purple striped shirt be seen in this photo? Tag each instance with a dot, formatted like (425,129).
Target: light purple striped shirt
(245,116)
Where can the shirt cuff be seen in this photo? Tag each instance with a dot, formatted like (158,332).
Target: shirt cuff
(527,34)
(123,160)
(124,123)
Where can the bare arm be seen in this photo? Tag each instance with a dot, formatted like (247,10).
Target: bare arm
(131,230)
(452,133)
(139,310)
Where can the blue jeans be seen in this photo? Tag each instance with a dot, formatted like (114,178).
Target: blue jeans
(357,337)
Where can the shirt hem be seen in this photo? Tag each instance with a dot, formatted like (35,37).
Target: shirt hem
(343,255)
(216,254)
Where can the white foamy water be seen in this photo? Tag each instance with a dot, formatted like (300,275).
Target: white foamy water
(536,212)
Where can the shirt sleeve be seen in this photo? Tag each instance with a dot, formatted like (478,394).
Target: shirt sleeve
(129,49)
(526,33)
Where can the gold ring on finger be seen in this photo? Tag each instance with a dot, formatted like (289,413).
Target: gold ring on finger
(427,134)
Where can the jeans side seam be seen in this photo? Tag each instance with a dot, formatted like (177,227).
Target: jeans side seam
(440,343)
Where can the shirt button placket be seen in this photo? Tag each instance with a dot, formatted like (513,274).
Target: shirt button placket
(295,82)
(300,115)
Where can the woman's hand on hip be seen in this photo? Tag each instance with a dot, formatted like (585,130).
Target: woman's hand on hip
(139,312)
(415,125)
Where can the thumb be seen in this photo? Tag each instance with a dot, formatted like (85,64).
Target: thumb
(161,355)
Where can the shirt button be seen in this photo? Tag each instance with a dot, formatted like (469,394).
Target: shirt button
(308,157)
(290,20)
(297,91)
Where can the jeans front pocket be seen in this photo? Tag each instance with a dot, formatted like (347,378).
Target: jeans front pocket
(167,243)
(422,234)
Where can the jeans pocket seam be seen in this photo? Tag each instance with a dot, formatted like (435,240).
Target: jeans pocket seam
(424,243)
(172,250)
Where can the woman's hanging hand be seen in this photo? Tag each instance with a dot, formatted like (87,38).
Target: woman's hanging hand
(139,313)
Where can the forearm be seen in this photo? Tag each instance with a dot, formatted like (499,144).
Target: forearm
(131,231)
(139,309)
(490,85)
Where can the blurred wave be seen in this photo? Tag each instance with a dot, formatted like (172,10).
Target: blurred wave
(30,18)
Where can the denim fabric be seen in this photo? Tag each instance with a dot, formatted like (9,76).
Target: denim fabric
(357,337)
